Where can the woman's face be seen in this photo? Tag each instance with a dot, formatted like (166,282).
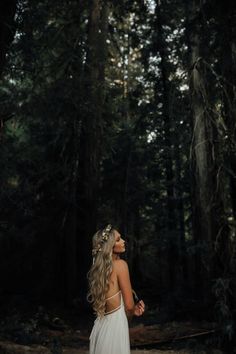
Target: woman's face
(119,246)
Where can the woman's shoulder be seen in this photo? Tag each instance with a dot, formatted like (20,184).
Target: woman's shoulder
(120,265)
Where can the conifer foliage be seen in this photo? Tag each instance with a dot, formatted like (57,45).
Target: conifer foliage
(120,112)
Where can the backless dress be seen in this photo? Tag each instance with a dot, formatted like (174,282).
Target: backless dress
(110,333)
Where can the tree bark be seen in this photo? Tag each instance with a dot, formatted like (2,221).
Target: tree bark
(7,28)
(183,263)
(70,226)
(171,217)
(91,136)
(68,268)
(225,15)
(209,222)
(202,164)
(227,31)
(7,32)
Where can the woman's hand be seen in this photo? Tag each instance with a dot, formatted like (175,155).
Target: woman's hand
(139,308)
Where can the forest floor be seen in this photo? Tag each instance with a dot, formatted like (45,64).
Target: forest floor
(57,332)
(13,349)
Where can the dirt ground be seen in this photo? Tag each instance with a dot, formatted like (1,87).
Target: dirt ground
(170,352)
(151,352)
(186,337)
(10,348)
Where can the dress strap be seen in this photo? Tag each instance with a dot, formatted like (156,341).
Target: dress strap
(108,298)
(114,310)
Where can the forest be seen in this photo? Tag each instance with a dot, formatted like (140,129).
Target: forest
(120,112)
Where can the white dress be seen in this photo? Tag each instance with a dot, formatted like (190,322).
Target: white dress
(110,334)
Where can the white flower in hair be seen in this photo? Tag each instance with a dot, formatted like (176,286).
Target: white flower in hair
(105,236)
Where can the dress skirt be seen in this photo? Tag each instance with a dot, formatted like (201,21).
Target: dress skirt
(110,334)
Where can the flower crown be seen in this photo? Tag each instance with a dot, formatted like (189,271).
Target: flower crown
(105,236)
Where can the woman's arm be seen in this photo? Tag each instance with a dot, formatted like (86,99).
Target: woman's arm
(122,271)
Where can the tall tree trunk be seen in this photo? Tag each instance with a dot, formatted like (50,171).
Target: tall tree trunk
(184,273)
(91,136)
(209,226)
(7,28)
(126,117)
(161,48)
(7,32)
(70,222)
(202,163)
(225,14)
(227,31)
(136,268)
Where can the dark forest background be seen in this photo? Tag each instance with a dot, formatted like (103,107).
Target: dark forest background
(121,112)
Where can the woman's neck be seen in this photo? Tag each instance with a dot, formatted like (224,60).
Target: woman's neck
(115,256)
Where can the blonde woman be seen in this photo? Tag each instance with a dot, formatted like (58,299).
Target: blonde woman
(110,293)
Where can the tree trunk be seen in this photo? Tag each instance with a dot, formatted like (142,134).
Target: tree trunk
(226,32)
(70,226)
(202,165)
(183,263)
(7,28)
(7,32)
(69,263)
(161,48)
(91,136)
(209,226)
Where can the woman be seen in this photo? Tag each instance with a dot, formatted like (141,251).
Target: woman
(110,293)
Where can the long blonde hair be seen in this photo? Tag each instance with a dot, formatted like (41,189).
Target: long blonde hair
(100,271)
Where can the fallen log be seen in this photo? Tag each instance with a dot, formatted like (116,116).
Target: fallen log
(151,336)
(170,340)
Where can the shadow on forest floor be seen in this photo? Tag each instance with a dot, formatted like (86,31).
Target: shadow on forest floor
(60,331)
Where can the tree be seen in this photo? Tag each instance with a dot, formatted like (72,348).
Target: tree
(91,133)
(211,232)
(7,32)
(7,28)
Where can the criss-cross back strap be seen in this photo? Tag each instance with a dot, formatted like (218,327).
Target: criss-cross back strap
(108,298)
(115,309)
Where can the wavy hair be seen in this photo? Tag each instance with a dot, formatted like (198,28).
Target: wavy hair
(100,271)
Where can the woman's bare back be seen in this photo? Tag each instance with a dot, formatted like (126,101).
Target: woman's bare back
(113,296)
